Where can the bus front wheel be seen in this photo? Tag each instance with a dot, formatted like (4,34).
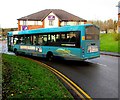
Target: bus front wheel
(50,56)
(15,51)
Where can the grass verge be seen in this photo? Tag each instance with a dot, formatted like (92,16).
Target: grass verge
(26,79)
(108,42)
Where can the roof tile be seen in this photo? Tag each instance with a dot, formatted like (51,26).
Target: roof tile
(61,14)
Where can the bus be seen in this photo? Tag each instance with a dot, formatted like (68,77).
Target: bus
(78,42)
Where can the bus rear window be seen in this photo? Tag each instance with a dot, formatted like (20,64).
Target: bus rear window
(92,33)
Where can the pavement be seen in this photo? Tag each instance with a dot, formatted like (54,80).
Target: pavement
(110,53)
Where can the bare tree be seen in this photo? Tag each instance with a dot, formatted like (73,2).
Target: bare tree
(105,25)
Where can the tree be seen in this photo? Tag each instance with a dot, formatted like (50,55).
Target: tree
(110,23)
(105,25)
(115,26)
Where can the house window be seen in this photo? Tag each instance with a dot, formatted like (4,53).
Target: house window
(77,23)
(24,23)
(65,23)
(35,22)
(51,22)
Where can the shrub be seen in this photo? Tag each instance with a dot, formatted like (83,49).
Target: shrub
(116,36)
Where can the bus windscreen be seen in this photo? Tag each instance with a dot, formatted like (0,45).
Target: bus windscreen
(92,33)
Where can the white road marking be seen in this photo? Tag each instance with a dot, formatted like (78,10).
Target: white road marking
(97,63)
(101,64)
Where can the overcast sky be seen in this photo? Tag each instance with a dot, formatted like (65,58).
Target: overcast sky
(11,10)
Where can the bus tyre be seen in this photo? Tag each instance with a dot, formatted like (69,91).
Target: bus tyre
(15,51)
(50,56)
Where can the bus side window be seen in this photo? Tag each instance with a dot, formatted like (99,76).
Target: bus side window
(22,40)
(44,40)
(18,42)
(64,37)
(58,37)
(35,39)
(72,37)
(40,40)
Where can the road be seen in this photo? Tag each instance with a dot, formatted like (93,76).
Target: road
(3,47)
(97,77)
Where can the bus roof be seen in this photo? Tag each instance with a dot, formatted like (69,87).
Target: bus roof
(49,30)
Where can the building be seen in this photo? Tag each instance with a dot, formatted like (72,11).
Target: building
(48,18)
(118,25)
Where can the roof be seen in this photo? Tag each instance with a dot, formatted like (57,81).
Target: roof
(61,14)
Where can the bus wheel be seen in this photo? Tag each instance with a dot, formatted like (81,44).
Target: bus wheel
(50,56)
(15,51)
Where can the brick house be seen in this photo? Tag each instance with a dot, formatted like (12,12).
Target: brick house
(48,18)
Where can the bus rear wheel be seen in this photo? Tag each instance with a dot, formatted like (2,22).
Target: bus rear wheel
(50,56)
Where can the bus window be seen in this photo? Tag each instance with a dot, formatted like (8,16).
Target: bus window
(40,41)
(53,39)
(44,38)
(72,37)
(28,39)
(68,37)
(57,37)
(35,39)
(92,33)
(15,39)
(64,37)
(18,40)
(11,41)
(49,38)
(22,39)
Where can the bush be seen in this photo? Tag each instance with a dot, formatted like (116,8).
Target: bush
(116,36)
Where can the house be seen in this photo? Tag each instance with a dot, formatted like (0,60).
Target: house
(48,18)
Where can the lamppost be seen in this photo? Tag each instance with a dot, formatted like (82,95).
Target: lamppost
(118,25)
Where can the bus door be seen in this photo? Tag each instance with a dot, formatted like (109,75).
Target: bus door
(10,43)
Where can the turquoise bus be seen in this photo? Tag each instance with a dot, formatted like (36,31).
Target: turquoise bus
(78,42)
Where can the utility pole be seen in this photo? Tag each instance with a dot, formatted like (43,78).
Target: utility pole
(118,24)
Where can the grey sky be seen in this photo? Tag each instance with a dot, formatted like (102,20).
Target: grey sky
(11,10)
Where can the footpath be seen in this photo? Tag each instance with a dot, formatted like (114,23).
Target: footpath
(110,53)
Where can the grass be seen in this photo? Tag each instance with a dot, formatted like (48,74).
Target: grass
(26,79)
(108,42)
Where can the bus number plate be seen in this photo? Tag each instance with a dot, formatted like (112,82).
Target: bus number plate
(92,48)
